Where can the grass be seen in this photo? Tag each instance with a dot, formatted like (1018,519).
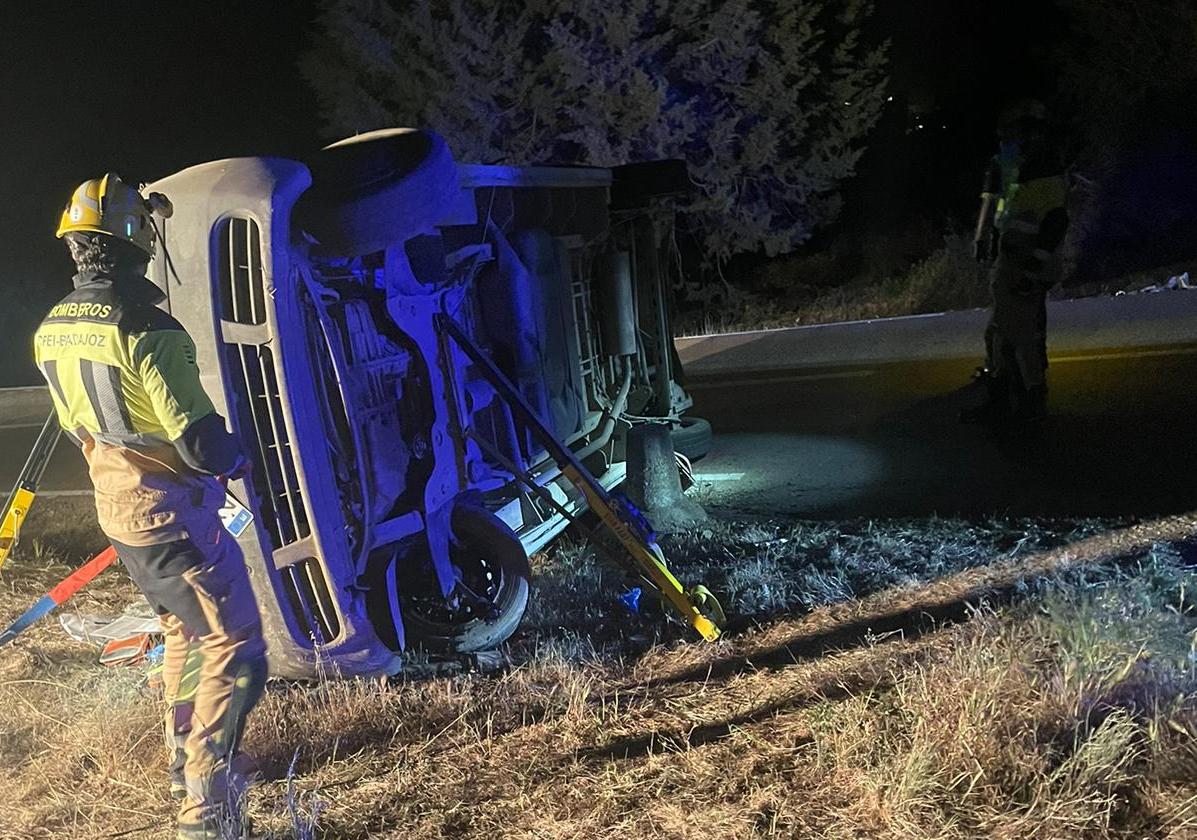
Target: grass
(898,679)
(801,291)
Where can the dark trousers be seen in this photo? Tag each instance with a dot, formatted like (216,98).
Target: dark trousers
(200,588)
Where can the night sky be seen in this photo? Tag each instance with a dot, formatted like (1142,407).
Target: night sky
(142,89)
(146,89)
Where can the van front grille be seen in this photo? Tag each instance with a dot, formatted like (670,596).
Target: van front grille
(275,476)
(239,270)
(257,409)
(307,592)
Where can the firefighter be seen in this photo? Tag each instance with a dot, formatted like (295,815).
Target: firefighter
(124,381)
(1021,223)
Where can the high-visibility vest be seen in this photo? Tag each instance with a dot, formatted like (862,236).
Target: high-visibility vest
(123,378)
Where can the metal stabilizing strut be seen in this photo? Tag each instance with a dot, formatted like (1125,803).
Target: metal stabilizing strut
(16,508)
(623,521)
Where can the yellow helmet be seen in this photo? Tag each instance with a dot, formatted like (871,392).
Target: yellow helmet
(110,206)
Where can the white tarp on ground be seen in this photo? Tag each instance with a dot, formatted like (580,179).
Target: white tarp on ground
(138,619)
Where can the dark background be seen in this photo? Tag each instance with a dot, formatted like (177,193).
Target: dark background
(146,89)
(141,89)
(953,66)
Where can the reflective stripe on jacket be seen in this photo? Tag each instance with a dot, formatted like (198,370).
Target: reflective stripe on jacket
(124,381)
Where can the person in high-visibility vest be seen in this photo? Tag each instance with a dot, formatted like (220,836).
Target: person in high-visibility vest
(1021,224)
(126,388)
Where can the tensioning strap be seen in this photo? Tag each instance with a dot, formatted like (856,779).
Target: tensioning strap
(67,587)
(641,548)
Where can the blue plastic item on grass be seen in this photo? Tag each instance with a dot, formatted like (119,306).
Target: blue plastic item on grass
(631,599)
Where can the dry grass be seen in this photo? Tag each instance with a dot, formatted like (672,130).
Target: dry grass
(80,744)
(911,680)
(819,289)
(945,280)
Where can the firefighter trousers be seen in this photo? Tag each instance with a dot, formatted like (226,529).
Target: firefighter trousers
(214,668)
(1016,335)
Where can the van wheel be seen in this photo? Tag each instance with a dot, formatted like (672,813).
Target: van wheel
(692,437)
(492,590)
(377,189)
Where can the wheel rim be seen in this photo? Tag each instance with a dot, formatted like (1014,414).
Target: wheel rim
(478,596)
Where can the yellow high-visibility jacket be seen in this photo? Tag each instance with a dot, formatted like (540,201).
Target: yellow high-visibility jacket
(124,381)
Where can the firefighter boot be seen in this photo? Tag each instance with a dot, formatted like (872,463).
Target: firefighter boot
(224,795)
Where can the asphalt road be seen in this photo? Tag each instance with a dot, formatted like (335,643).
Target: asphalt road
(67,471)
(860,419)
(799,432)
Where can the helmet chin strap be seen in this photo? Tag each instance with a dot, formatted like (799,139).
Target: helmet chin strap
(158,204)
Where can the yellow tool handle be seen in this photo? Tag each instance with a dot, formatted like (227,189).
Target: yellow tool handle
(10,528)
(16,507)
(645,555)
(648,559)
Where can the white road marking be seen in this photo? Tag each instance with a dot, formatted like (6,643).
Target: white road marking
(718,476)
(8,426)
(1097,356)
(919,317)
(793,377)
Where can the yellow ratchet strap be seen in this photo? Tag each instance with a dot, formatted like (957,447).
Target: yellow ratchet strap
(643,552)
(649,559)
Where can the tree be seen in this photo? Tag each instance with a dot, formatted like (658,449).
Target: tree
(1127,78)
(769,101)
(1123,64)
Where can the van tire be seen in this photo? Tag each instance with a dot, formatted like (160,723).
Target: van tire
(478,533)
(377,189)
(692,437)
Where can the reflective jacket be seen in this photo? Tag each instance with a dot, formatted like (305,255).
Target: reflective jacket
(125,385)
